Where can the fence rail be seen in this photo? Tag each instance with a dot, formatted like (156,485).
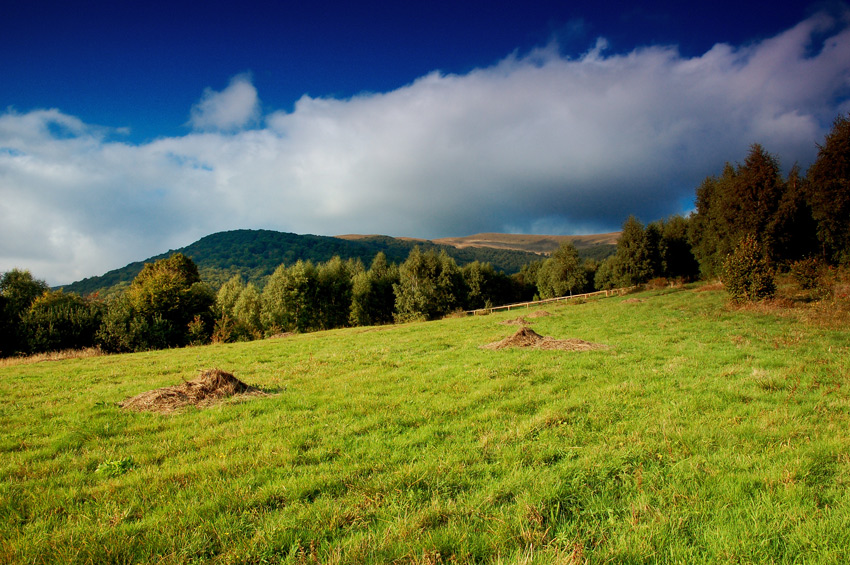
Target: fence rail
(613,292)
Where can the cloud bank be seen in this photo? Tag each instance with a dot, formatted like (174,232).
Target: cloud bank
(540,143)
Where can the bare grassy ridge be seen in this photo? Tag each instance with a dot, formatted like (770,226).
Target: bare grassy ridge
(524,242)
(702,433)
(544,244)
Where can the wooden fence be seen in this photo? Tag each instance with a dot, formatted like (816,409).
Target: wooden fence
(613,292)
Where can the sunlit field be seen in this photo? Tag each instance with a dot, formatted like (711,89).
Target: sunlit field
(701,432)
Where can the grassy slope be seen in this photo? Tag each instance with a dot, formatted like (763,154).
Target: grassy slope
(702,434)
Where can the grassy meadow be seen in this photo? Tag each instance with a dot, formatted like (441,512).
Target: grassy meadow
(703,433)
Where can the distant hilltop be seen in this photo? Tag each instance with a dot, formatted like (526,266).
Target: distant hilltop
(541,244)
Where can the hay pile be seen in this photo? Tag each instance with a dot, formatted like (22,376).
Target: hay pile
(209,388)
(528,338)
(522,320)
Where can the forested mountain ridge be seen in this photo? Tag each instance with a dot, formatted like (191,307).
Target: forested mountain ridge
(255,254)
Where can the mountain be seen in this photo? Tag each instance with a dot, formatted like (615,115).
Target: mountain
(255,254)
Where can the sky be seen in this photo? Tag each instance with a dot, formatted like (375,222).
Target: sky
(131,128)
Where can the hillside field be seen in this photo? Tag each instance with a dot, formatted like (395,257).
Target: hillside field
(700,433)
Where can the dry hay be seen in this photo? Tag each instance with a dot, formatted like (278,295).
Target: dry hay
(211,387)
(515,322)
(527,338)
(632,300)
(52,356)
(539,314)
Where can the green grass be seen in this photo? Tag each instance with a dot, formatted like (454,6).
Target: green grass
(701,434)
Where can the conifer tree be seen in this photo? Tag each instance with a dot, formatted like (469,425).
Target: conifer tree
(633,264)
(829,192)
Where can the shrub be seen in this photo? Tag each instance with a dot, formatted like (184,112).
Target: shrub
(807,272)
(746,273)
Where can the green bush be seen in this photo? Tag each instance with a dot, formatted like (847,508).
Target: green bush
(746,273)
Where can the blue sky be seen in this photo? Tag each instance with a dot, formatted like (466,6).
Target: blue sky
(128,128)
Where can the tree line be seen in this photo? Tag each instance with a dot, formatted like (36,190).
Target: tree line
(749,223)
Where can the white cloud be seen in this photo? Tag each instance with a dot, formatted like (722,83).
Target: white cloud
(535,142)
(231,109)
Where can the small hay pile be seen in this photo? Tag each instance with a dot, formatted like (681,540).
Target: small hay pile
(528,338)
(515,322)
(209,388)
(539,314)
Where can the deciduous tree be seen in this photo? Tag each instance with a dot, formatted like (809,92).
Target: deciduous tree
(429,286)
(562,273)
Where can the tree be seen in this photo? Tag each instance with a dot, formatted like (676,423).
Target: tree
(524,282)
(606,275)
(633,264)
(709,230)
(228,294)
(677,258)
(745,200)
(484,286)
(759,190)
(18,290)
(372,295)
(561,274)
(794,229)
(56,321)
(289,298)
(829,192)
(158,307)
(247,313)
(333,292)
(428,287)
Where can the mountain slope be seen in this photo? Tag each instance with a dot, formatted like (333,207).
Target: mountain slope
(255,254)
